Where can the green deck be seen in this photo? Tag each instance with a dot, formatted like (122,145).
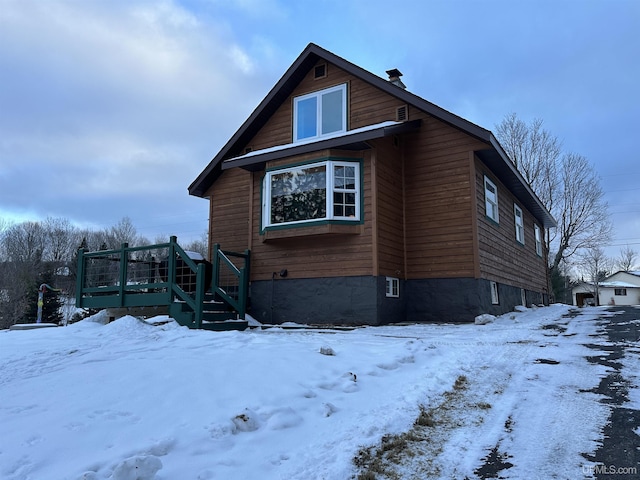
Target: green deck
(198,294)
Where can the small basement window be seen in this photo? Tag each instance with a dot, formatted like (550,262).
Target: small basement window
(495,300)
(393,287)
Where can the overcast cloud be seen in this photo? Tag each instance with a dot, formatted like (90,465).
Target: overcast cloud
(112,108)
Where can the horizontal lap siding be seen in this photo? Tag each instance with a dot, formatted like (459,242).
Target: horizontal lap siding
(315,256)
(439,224)
(389,209)
(502,257)
(326,255)
(367,105)
(229,210)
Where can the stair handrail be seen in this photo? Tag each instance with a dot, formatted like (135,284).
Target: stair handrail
(197,303)
(220,256)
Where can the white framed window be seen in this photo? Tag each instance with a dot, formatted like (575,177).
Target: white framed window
(495,300)
(517,212)
(327,190)
(620,292)
(491,199)
(538,235)
(393,287)
(320,113)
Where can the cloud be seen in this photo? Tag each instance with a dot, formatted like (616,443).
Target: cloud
(114,101)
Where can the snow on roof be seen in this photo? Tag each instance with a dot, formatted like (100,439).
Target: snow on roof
(616,284)
(355,131)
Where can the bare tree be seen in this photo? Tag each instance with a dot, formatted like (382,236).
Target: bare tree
(582,213)
(596,266)
(566,184)
(24,242)
(627,260)
(535,152)
(200,246)
(122,232)
(62,239)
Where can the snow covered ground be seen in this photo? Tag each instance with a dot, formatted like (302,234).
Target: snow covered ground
(129,400)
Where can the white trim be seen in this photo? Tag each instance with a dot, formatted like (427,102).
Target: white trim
(279,148)
(537,231)
(330,187)
(319,113)
(392,287)
(495,298)
(519,223)
(491,200)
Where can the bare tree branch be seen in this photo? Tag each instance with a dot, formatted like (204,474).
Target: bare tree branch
(627,260)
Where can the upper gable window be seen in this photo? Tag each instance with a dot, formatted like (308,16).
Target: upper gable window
(327,190)
(320,113)
(491,199)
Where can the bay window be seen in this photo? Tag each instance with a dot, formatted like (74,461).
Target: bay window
(327,190)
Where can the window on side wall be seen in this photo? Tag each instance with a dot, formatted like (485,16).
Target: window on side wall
(393,287)
(320,113)
(620,292)
(538,235)
(328,190)
(495,300)
(517,211)
(491,199)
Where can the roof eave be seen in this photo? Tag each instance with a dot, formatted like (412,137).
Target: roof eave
(357,141)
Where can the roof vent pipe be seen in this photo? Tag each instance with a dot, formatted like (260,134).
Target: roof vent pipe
(394,77)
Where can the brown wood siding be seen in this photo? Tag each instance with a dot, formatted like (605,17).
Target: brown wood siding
(229,214)
(423,193)
(367,105)
(389,208)
(439,224)
(315,256)
(502,257)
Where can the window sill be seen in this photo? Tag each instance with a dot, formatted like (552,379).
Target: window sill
(311,231)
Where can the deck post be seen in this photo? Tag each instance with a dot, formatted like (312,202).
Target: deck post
(80,278)
(200,287)
(124,261)
(171,266)
(215,277)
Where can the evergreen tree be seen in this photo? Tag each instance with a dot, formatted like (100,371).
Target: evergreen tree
(52,303)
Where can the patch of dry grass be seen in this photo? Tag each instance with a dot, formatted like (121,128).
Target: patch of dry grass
(423,440)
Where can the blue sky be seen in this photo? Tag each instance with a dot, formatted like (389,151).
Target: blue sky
(111,108)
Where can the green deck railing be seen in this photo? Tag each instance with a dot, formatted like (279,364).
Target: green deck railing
(230,282)
(161,275)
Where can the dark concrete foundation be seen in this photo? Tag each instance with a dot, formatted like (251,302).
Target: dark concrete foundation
(362,300)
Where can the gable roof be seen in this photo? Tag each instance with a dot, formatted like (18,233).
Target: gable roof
(494,156)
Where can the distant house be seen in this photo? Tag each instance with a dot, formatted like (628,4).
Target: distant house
(621,288)
(362,203)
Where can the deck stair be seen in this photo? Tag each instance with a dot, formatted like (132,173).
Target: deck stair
(197,293)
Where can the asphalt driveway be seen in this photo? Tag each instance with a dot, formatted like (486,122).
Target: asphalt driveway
(619,454)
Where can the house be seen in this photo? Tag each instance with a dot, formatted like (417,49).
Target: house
(362,203)
(621,288)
